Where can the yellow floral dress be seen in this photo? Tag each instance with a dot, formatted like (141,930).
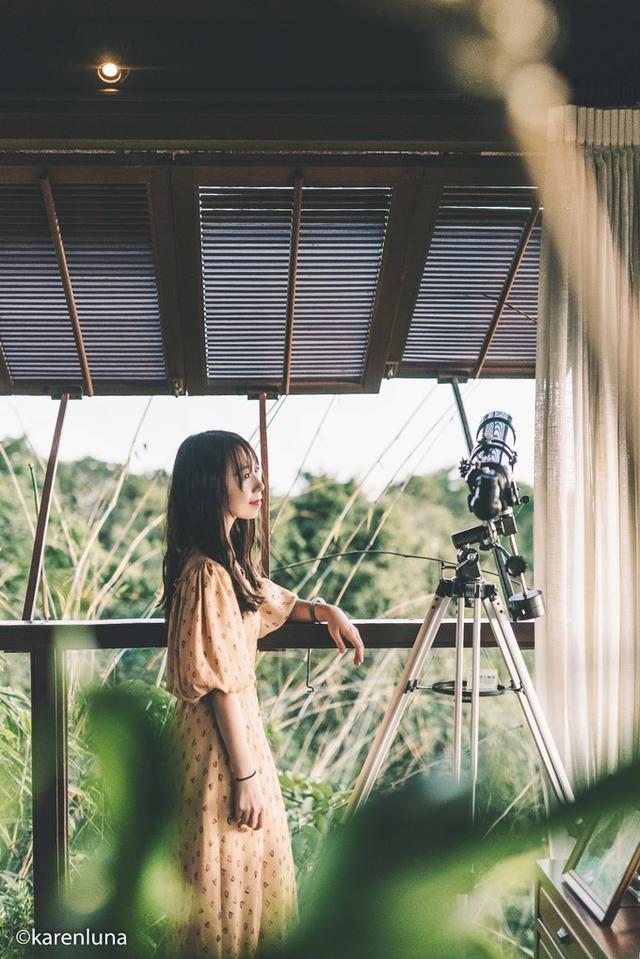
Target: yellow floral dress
(240,886)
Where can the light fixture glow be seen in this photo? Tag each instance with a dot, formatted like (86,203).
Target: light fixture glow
(109,72)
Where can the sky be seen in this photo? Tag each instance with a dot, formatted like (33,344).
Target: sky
(411,426)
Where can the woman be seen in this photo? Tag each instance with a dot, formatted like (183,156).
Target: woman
(234,846)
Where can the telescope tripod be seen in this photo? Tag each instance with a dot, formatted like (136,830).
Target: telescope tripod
(467,586)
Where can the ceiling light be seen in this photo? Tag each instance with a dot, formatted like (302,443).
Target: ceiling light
(109,72)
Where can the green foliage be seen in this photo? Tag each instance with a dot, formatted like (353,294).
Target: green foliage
(94,567)
(103,561)
(389,881)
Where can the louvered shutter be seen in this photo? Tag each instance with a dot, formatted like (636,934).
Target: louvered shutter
(107,240)
(474,243)
(246,243)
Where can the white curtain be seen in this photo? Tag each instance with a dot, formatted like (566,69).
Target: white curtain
(587,504)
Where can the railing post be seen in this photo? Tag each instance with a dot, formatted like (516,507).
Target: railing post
(49,783)
(48,730)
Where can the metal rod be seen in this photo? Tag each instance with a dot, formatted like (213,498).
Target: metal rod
(45,602)
(56,235)
(293,279)
(506,290)
(457,701)
(528,699)
(462,414)
(475,697)
(43,514)
(398,703)
(264,509)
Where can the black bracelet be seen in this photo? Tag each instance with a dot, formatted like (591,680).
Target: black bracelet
(240,779)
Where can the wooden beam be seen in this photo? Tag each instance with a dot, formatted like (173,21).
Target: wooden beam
(49,778)
(293,278)
(48,729)
(339,124)
(56,236)
(506,289)
(164,252)
(17,636)
(418,242)
(37,554)
(186,224)
(406,201)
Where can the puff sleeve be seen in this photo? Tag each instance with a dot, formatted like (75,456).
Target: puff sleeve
(278,603)
(207,644)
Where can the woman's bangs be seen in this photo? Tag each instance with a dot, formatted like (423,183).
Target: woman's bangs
(243,457)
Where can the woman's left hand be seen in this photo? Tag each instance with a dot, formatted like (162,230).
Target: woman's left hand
(342,631)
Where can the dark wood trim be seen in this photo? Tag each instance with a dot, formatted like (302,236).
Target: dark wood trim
(405,207)
(40,387)
(272,386)
(118,165)
(246,167)
(186,226)
(293,279)
(270,173)
(37,554)
(65,276)
(49,776)
(265,513)
(205,125)
(20,637)
(416,251)
(527,230)
(160,201)
(444,373)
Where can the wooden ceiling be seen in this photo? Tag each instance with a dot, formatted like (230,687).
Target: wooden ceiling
(409,248)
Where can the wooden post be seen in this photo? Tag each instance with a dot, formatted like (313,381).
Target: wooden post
(48,729)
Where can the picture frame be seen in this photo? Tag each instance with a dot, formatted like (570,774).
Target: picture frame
(604,861)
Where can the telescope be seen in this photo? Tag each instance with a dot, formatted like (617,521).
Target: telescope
(488,469)
(493,493)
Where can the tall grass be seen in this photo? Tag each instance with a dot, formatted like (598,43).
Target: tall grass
(104,551)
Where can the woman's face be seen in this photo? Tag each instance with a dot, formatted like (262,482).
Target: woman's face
(244,498)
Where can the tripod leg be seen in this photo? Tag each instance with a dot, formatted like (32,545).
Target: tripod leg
(508,644)
(475,699)
(457,701)
(399,702)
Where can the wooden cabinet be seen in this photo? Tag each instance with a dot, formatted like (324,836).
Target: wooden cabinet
(565,930)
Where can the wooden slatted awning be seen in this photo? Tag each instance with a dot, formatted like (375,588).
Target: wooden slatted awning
(245,245)
(475,241)
(182,278)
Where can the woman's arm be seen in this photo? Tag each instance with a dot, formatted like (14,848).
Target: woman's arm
(338,623)
(230,720)
(248,799)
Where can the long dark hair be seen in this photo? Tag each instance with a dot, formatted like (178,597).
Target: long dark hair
(196,507)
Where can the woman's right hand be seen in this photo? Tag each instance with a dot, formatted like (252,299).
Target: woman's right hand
(249,803)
